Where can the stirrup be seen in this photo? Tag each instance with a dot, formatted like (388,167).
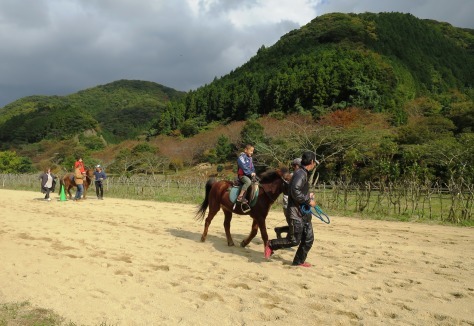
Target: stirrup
(245,207)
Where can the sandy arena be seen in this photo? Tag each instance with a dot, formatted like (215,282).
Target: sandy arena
(130,262)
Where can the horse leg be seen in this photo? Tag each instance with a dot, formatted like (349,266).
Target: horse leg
(207,223)
(228,218)
(253,233)
(69,191)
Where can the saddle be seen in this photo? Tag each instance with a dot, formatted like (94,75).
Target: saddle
(251,195)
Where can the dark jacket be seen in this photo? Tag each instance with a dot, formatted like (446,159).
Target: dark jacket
(245,165)
(298,193)
(44,178)
(99,176)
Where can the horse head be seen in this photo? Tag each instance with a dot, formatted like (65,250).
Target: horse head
(89,175)
(274,180)
(89,172)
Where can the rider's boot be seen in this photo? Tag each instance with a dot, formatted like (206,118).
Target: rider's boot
(241,198)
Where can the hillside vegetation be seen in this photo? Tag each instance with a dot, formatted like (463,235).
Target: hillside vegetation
(385,100)
(377,62)
(117,111)
(373,94)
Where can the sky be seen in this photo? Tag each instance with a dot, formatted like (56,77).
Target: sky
(59,47)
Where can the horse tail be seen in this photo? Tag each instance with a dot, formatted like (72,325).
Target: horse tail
(205,204)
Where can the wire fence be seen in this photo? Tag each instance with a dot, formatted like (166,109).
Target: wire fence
(160,188)
(451,202)
(405,200)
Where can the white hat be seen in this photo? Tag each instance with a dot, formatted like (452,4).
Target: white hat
(296,161)
(98,166)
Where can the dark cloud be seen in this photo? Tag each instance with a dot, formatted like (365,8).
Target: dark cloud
(57,47)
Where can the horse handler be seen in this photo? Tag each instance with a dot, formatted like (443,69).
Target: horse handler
(79,179)
(300,226)
(99,176)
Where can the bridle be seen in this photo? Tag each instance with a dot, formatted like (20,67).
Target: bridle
(272,200)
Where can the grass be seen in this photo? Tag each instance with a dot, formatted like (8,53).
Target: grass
(24,314)
(12,314)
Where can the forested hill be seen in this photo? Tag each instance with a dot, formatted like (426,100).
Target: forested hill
(371,61)
(119,110)
(377,62)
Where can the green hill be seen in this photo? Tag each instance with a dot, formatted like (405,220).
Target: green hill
(373,61)
(119,110)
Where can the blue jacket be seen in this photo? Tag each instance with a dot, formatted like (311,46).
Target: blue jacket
(99,175)
(245,164)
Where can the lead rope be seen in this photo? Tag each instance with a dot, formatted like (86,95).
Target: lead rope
(318,212)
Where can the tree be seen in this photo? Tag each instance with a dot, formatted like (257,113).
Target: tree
(223,149)
(10,162)
(93,143)
(151,163)
(125,162)
(144,148)
(252,133)
(420,130)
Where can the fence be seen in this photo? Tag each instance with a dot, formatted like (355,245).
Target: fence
(405,200)
(189,190)
(163,188)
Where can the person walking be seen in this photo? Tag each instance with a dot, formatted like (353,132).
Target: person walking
(300,231)
(99,176)
(79,179)
(286,188)
(48,183)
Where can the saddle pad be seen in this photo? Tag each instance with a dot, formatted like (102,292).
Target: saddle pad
(234,193)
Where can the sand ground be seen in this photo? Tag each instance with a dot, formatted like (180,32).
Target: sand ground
(129,262)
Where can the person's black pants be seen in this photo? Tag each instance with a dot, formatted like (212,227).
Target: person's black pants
(46,191)
(99,189)
(300,232)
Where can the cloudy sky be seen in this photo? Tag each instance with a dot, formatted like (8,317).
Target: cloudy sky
(58,47)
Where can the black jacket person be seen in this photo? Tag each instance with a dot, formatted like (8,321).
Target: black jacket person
(300,227)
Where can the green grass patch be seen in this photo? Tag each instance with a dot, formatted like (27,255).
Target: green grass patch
(24,314)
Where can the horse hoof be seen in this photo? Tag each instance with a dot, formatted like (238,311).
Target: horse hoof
(243,244)
(231,244)
(203,239)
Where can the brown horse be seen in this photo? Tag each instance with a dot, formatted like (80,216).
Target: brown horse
(68,181)
(217,197)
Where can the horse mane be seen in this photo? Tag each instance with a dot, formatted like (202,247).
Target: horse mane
(272,174)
